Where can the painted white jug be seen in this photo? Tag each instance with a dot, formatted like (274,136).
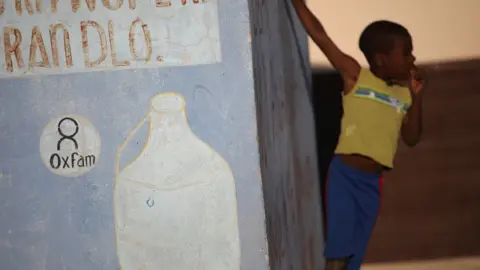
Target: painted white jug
(175,204)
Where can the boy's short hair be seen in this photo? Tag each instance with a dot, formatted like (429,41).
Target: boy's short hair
(377,37)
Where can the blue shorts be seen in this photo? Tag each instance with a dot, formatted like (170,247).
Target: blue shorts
(352,204)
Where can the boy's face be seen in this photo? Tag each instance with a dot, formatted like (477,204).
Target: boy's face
(400,60)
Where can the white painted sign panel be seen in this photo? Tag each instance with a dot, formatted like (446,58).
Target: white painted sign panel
(60,36)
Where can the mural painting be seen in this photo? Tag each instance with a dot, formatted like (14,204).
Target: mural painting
(175,204)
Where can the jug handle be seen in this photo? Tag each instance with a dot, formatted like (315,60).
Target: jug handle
(126,141)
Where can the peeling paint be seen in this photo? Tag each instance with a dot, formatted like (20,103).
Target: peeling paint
(287,138)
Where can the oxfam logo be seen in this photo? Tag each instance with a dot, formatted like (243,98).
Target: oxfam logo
(70,146)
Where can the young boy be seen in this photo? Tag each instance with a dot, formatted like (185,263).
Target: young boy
(379,104)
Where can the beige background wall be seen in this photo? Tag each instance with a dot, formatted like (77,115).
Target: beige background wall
(442,30)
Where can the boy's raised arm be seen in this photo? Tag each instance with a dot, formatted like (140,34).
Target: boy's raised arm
(344,63)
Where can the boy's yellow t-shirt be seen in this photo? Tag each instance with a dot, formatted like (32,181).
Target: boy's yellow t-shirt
(373,113)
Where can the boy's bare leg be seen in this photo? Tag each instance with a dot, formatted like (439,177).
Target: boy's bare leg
(336,264)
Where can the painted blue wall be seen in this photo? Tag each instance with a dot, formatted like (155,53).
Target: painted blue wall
(56,223)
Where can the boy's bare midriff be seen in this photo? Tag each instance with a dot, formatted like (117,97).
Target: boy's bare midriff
(362,163)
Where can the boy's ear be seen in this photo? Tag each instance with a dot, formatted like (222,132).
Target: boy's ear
(378,60)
